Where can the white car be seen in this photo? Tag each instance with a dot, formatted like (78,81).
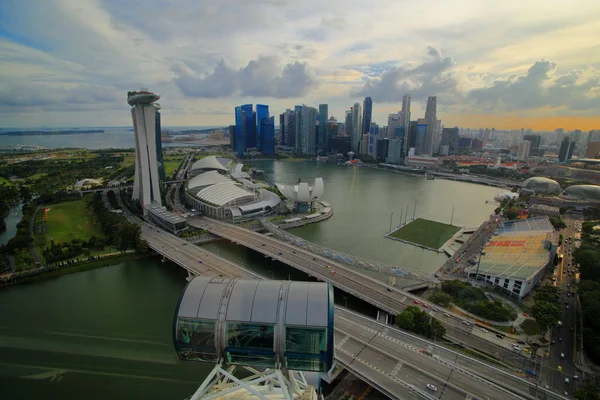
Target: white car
(567,380)
(466,323)
(516,347)
(431,387)
(483,330)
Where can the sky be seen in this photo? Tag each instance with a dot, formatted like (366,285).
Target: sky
(507,64)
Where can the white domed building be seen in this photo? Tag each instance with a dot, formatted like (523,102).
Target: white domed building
(540,184)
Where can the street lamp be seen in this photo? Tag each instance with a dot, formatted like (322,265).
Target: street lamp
(391,215)
(345,301)
(271,271)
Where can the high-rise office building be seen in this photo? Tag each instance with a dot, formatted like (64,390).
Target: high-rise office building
(323,114)
(249,126)
(592,150)
(523,150)
(356,117)
(331,130)
(405,119)
(396,152)
(394,121)
(536,141)
(367,115)
(306,120)
(430,120)
(450,139)
(288,133)
(348,123)
(566,149)
(373,137)
(146,186)
(382,149)
(262,112)
(267,132)
(421,141)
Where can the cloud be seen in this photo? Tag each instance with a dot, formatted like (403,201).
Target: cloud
(262,77)
(433,77)
(540,87)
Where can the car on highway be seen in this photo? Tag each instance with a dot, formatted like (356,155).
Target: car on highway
(434,309)
(499,336)
(425,305)
(431,387)
(567,381)
(389,290)
(466,323)
(483,330)
(446,314)
(516,347)
(562,356)
(416,302)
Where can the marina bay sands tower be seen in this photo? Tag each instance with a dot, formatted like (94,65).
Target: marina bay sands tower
(146,186)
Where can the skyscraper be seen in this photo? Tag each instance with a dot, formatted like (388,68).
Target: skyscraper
(348,124)
(450,139)
(356,128)
(146,187)
(394,121)
(262,112)
(367,114)
(267,131)
(405,119)
(306,119)
(523,150)
(288,133)
(240,139)
(536,141)
(566,149)
(421,142)
(323,114)
(430,120)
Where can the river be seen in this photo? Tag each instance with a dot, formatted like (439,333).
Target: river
(12,219)
(106,333)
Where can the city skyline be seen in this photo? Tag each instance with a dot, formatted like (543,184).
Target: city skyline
(488,66)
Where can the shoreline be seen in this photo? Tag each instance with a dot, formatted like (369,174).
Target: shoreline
(80,267)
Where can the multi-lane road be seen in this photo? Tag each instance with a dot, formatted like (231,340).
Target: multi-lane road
(386,298)
(407,363)
(396,362)
(560,363)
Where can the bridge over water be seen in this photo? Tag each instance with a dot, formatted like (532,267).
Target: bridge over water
(388,359)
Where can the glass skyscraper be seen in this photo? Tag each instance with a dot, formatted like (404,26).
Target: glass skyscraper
(267,140)
(262,112)
(367,112)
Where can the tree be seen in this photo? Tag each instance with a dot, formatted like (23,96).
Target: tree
(546,314)
(557,223)
(587,392)
(441,298)
(415,320)
(548,293)
(511,214)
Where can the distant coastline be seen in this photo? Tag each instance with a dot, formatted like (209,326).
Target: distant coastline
(39,133)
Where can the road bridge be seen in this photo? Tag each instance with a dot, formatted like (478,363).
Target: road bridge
(371,351)
(351,280)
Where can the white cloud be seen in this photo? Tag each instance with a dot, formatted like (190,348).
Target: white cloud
(209,56)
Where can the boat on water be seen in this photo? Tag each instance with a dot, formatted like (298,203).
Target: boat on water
(429,177)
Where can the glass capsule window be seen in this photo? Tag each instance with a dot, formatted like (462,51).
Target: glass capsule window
(250,344)
(196,340)
(305,348)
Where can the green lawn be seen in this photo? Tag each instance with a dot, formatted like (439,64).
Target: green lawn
(70,220)
(425,232)
(4,180)
(171,166)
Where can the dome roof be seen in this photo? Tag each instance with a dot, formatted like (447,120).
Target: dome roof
(541,184)
(588,192)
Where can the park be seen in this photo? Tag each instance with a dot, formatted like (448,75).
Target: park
(424,232)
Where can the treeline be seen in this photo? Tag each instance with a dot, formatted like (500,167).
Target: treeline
(118,231)
(588,258)
(59,251)
(471,299)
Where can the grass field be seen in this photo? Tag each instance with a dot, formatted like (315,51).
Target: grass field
(425,232)
(70,220)
(4,180)
(171,165)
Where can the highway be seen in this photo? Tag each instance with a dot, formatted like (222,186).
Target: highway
(386,298)
(370,346)
(435,364)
